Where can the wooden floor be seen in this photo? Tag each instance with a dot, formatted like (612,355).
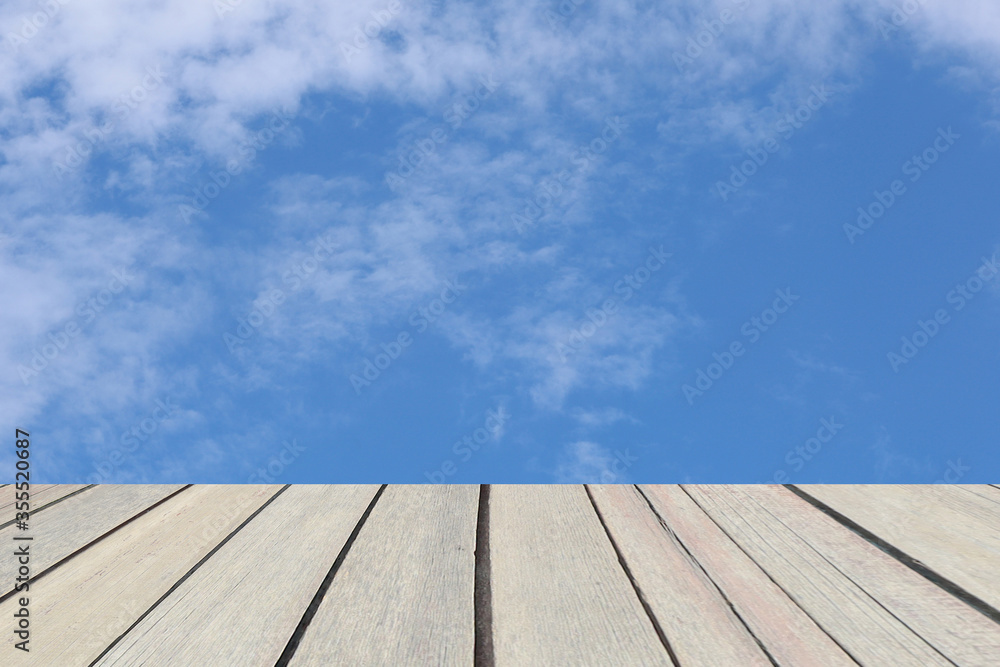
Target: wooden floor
(507,575)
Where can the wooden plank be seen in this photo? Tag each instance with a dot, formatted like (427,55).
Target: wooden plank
(66,526)
(42,496)
(984,511)
(7,494)
(786,631)
(42,500)
(686,603)
(982,490)
(226,613)
(560,596)
(950,625)
(81,606)
(404,593)
(869,633)
(948,531)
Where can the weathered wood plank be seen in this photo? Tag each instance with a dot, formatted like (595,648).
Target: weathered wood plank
(41,496)
(404,593)
(83,605)
(243,604)
(953,627)
(982,490)
(7,494)
(785,630)
(560,596)
(869,633)
(947,530)
(686,603)
(66,526)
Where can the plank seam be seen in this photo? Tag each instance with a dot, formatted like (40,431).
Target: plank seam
(988,498)
(691,556)
(949,586)
(95,540)
(768,575)
(310,612)
(851,579)
(635,584)
(190,572)
(483,592)
(47,505)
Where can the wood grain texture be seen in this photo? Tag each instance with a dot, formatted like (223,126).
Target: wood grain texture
(685,602)
(869,633)
(70,524)
(404,593)
(786,631)
(982,490)
(88,601)
(241,607)
(950,625)
(7,493)
(560,596)
(42,497)
(953,533)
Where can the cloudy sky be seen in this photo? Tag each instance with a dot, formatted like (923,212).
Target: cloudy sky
(290,241)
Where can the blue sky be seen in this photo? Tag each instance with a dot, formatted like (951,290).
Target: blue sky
(501,242)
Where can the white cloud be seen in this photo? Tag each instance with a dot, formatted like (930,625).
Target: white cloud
(221,75)
(585,462)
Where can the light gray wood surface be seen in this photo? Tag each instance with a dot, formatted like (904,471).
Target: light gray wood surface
(42,496)
(790,636)
(560,597)
(404,594)
(949,531)
(869,633)
(685,602)
(73,523)
(226,612)
(961,633)
(602,575)
(986,491)
(82,606)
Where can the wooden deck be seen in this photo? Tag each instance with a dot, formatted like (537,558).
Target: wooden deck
(507,575)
